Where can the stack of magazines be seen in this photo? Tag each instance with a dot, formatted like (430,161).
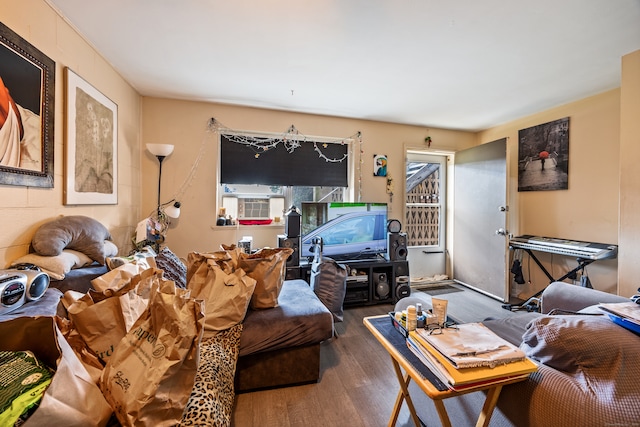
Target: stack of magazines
(469,355)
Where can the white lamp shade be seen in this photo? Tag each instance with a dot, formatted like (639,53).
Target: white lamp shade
(173,211)
(160,149)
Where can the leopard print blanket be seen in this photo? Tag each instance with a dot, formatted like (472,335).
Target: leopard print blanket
(211,400)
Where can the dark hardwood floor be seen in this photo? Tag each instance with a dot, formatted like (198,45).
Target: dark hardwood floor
(358,386)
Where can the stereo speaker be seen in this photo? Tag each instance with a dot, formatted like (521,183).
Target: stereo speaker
(292,219)
(13,287)
(20,286)
(284,241)
(400,268)
(402,289)
(37,284)
(381,288)
(397,246)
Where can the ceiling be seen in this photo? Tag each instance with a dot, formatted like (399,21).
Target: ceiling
(456,64)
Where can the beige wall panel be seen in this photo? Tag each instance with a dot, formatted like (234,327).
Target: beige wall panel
(588,209)
(26,208)
(629,263)
(184,124)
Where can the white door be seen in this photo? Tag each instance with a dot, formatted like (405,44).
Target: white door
(425,213)
(480,243)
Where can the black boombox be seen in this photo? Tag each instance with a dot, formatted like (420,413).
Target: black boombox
(20,286)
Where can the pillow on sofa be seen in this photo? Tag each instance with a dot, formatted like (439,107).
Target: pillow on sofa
(110,248)
(590,346)
(174,269)
(211,400)
(76,232)
(56,266)
(267,267)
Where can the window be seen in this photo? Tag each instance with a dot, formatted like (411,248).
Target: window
(424,203)
(263,201)
(264,183)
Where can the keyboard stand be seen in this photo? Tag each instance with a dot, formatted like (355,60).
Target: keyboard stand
(533,303)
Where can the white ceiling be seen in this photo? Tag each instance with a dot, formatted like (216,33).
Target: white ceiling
(457,64)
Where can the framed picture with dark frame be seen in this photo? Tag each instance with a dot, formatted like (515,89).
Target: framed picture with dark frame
(27,89)
(91,154)
(543,156)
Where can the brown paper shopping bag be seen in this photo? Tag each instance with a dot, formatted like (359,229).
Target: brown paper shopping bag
(103,318)
(121,276)
(226,295)
(73,398)
(150,376)
(268,268)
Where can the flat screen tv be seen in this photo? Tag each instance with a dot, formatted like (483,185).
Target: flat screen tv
(349,230)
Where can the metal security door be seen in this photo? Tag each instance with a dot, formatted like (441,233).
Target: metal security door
(480,243)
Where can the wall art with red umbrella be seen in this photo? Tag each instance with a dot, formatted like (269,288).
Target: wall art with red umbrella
(543,157)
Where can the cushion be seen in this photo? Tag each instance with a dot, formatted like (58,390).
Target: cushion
(174,269)
(76,232)
(110,248)
(329,282)
(56,266)
(589,346)
(267,267)
(300,319)
(211,400)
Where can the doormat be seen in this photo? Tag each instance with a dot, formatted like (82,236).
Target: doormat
(440,289)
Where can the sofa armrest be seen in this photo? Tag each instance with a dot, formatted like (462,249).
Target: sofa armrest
(564,296)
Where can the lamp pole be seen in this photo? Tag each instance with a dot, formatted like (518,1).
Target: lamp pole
(160,159)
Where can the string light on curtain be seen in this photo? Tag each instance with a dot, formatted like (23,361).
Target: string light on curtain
(291,140)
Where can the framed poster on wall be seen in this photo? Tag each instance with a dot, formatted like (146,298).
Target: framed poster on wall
(543,156)
(27,88)
(91,155)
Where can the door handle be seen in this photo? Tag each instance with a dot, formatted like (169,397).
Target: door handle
(501,232)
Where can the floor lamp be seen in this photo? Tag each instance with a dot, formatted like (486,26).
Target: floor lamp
(161,151)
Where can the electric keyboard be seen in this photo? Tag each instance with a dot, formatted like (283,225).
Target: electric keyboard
(584,250)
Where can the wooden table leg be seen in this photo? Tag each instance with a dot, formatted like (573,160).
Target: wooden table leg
(489,405)
(403,394)
(442,413)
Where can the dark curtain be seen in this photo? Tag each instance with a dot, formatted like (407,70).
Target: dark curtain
(302,167)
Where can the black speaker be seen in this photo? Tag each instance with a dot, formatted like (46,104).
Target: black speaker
(397,246)
(292,220)
(402,288)
(381,287)
(293,273)
(400,268)
(293,243)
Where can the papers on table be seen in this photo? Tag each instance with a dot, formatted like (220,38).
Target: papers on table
(470,356)
(471,345)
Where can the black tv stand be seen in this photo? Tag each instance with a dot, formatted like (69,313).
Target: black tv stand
(372,281)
